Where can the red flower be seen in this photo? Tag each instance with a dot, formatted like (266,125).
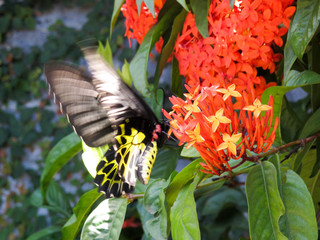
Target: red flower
(137,25)
(240,41)
(209,121)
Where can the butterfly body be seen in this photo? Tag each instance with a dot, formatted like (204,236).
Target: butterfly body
(102,109)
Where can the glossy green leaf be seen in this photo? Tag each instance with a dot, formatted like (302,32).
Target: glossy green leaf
(61,153)
(200,10)
(277,93)
(183,4)
(289,59)
(180,180)
(44,233)
(166,162)
(264,202)
(138,3)
(183,215)
(154,202)
(176,78)
(106,220)
(151,198)
(304,25)
(300,79)
(92,156)
(168,47)
(138,65)
(150,6)
(80,213)
(145,217)
(299,220)
(190,152)
(115,14)
(313,183)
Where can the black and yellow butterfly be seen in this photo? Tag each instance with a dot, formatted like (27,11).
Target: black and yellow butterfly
(102,109)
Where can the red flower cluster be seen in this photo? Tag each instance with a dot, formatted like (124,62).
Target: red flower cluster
(209,121)
(138,25)
(239,42)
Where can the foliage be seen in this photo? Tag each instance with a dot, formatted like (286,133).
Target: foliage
(206,199)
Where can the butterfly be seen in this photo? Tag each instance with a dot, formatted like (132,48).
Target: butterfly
(102,110)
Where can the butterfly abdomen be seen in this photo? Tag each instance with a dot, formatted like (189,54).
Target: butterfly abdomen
(146,162)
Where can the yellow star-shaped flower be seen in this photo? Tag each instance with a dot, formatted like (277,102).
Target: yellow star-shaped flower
(229,92)
(229,142)
(257,108)
(194,135)
(217,119)
(191,108)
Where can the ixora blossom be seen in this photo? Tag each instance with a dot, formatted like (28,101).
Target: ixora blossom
(137,25)
(240,41)
(209,121)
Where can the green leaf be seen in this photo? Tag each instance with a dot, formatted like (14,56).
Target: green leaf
(115,14)
(106,220)
(44,233)
(316,166)
(80,213)
(313,183)
(138,3)
(300,218)
(36,198)
(165,163)
(300,79)
(138,65)
(154,202)
(225,197)
(264,202)
(190,152)
(106,52)
(168,47)
(200,10)
(61,153)
(180,180)
(145,217)
(183,4)
(277,93)
(150,6)
(312,125)
(151,198)
(304,25)
(57,198)
(92,156)
(176,79)
(300,156)
(289,59)
(183,215)
(125,73)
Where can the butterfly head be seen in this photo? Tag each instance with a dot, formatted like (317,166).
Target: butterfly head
(159,133)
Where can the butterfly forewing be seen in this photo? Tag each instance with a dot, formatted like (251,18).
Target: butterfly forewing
(102,109)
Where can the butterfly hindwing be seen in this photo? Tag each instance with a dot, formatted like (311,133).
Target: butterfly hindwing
(108,179)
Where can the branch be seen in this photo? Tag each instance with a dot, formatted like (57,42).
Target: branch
(300,143)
